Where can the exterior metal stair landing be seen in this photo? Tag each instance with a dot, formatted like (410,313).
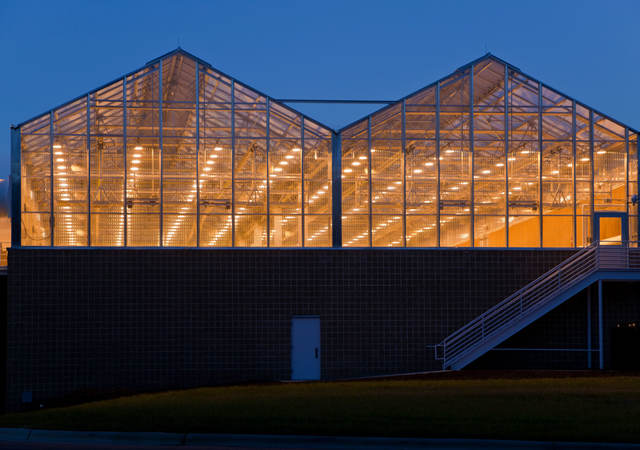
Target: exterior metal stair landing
(597,262)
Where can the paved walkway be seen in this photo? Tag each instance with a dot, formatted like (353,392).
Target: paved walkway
(25,439)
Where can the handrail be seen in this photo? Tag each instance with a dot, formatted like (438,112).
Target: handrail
(533,296)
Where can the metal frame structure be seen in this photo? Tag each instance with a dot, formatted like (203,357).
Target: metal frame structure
(400,138)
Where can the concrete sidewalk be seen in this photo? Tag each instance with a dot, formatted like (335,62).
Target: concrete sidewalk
(26,438)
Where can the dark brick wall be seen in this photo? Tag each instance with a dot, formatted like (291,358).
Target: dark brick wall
(102,319)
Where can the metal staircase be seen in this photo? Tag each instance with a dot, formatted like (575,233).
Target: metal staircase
(588,265)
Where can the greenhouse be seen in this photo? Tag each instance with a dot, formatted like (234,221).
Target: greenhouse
(178,154)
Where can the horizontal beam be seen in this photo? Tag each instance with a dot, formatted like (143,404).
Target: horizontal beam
(296,100)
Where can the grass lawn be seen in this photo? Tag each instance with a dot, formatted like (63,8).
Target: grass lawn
(585,408)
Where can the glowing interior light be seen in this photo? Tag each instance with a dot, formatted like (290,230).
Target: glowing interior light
(584,159)
(283,163)
(137,155)
(207,169)
(135,161)
(517,188)
(57,153)
(454,188)
(428,164)
(449,151)
(417,170)
(373,150)
(210,162)
(601,152)
(500,165)
(355,163)
(524,152)
(137,147)
(555,172)
(391,188)
(348,170)
(60,160)
(61,167)
(486,171)
(362,158)
(217,149)
(134,169)
(57,146)
(278,169)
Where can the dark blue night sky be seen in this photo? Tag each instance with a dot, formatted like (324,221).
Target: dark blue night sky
(54,51)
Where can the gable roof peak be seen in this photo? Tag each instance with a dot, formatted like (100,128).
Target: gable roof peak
(487,55)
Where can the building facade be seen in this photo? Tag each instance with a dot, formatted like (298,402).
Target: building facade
(170,228)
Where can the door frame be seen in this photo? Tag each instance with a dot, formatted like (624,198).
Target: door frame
(624,224)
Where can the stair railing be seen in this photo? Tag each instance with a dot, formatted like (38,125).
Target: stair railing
(531,297)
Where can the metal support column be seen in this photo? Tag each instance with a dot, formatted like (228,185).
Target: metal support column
(51,207)
(124,149)
(160,101)
(197,154)
(540,151)
(589,327)
(638,185)
(302,211)
(336,190)
(370,233)
(626,174)
(593,170)
(89,171)
(600,326)
(267,176)
(15,189)
(573,168)
(506,153)
(404,173)
(233,164)
(473,160)
(437,202)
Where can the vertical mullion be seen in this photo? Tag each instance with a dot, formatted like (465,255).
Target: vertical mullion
(404,173)
(267,174)
(370,185)
(89,170)
(336,190)
(637,180)
(540,162)
(233,164)
(626,177)
(593,171)
(302,179)
(506,152)
(124,149)
(473,157)
(197,154)
(438,164)
(160,101)
(573,167)
(51,207)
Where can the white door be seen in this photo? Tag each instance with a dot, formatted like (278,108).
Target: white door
(305,348)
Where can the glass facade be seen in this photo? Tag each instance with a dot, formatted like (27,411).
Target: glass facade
(178,154)
(486,157)
(175,155)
